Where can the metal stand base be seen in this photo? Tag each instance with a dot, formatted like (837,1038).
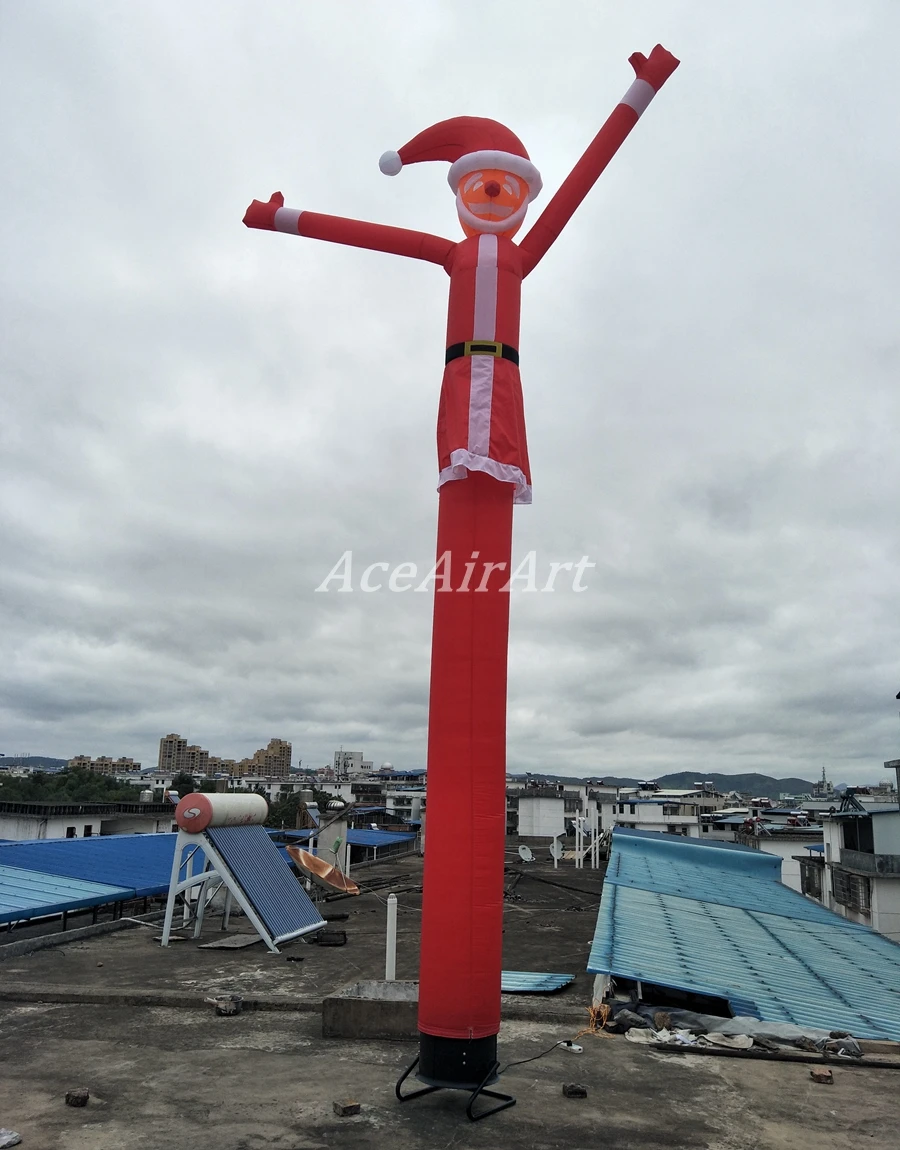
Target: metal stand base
(480,1091)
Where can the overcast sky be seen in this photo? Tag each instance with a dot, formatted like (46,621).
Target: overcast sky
(198,419)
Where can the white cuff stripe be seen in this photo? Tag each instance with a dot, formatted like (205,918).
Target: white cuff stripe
(638,96)
(286,220)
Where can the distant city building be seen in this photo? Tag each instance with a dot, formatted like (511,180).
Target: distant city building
(103,765)
(351,764)
(176,757)
(172,754)
(272,762)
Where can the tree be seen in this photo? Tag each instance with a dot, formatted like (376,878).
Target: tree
(184,784)
(283,813)
(75,786)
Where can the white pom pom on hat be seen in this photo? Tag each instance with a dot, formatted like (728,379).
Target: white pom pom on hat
(390,163)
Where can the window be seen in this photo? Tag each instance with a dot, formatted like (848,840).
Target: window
(706,828)
(858,834)
(631,808)
(70,832)
(852,891)
(811,880)
(88,830)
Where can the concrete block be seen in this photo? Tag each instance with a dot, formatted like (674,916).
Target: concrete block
(77,1097)
(345,1109)
(824,1076)
(574,1090)
(372,1009)
(331,938)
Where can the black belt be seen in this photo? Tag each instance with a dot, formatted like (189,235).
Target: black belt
(482,347)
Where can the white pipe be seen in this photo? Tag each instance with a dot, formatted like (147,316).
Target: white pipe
(390,959)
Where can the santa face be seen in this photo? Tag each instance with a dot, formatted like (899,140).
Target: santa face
(491,200)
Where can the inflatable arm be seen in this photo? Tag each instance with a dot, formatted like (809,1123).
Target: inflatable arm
(650,75)
(275,217)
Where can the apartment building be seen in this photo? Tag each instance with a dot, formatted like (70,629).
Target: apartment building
(858,872)
(103,765)
(176,756)
(352,764)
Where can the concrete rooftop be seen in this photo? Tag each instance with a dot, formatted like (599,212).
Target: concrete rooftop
(165,1072)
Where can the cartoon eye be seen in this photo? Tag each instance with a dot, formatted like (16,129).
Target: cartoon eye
(470,182)
(512,185)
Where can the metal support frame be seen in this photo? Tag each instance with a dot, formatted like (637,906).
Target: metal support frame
(216,870)
(480,1091)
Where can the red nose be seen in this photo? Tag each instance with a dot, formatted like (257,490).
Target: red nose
(492,188)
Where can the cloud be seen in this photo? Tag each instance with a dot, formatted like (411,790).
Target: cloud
(197,420)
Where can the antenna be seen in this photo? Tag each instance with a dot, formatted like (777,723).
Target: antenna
(526,854)
(556,850)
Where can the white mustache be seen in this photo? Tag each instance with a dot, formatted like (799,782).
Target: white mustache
(486,209)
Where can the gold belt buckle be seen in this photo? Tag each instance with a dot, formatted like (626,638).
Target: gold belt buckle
(483,347)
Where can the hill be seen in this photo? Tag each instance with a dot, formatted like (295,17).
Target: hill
(36,762)
(752,784)
(755,785)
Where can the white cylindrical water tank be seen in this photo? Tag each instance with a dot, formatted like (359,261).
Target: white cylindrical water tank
(197,812)
(146,797)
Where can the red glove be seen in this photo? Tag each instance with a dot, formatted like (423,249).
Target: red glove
(260,215)
(655,70)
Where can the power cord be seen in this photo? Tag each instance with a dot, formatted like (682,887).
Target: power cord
(565,1043)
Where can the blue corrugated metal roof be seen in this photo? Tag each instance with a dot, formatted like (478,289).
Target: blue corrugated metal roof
(356,837)
(30,894)
(680,912)
(529,982)
(142,863)
(674,802)
(363,838)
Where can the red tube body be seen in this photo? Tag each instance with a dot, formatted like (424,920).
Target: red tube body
(465,822)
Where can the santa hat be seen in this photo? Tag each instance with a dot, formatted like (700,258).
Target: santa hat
(468,143)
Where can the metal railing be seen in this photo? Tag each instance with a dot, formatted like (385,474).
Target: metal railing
(49,810)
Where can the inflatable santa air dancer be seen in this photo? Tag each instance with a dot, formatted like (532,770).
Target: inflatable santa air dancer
(483,471)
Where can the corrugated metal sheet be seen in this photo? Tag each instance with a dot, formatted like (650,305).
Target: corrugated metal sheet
(725,873)
(30,894)
(140,862)
(268,882)
(739,934)
(530,982)
(363,838)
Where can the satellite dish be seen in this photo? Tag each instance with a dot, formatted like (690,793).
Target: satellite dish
(556,850)
(526,854)
(321,872)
